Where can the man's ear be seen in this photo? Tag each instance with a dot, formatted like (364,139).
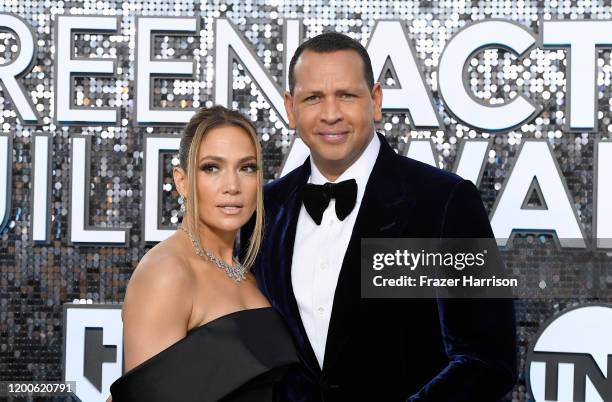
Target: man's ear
(377,97)
(180,181)
(289,109)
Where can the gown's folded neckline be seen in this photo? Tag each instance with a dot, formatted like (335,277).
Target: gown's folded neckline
(241,355)
(189,333)
(197,327)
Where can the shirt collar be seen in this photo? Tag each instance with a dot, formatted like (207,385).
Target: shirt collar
(360,169)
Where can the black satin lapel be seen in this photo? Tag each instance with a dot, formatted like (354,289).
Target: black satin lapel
(384,212)
(285,227)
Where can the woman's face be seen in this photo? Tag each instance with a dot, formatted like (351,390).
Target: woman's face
(226,178)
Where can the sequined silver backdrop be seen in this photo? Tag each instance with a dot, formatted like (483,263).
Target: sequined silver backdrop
(36,279)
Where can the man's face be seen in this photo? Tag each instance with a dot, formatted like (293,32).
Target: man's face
(332,108)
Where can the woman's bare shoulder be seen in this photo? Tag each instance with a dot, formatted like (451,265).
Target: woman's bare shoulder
(158,303)
(163,274)
(164,264)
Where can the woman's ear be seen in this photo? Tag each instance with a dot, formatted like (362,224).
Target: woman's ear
(180,181)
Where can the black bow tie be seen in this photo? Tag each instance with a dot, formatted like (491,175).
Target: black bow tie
(316,198)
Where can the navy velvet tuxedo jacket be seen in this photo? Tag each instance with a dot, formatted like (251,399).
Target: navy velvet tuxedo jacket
(392,349)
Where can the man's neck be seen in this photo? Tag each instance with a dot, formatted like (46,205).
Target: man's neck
(329,172)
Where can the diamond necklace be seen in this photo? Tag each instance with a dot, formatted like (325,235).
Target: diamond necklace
(237,271)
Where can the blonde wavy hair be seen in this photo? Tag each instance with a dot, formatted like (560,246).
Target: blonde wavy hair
(201,123)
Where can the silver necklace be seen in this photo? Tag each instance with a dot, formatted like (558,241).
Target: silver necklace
(237,271)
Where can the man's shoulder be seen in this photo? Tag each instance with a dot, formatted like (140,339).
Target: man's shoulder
(424,177)
(450,206)
(427,171)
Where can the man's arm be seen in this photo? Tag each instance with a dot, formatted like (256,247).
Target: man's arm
(479,334)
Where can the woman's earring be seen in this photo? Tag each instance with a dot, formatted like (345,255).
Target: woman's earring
(182,202)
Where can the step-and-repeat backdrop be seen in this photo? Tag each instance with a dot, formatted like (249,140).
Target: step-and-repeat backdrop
(514,96)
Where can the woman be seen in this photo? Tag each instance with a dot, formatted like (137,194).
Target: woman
(196,328)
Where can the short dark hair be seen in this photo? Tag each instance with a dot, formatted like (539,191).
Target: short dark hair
(331,42)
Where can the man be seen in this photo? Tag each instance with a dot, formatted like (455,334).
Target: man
(309,265)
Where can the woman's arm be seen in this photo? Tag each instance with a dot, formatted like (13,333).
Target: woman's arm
(156,308)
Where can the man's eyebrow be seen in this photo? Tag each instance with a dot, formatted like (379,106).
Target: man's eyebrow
(310,92)
(347,90)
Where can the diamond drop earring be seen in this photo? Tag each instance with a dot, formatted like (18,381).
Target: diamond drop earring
(182,202)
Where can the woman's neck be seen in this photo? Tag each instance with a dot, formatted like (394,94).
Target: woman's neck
(220,243)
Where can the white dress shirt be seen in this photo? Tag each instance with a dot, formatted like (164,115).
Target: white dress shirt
(319,250)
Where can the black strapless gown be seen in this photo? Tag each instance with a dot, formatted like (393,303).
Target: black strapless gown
(240,356)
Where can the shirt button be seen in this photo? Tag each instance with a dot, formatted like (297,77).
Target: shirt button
(321,310)
(323,266)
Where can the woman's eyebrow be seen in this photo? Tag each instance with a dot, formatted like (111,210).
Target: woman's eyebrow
(222,159)
(213,157)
